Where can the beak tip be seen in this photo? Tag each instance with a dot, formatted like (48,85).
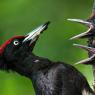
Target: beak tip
(73,20)
(74,38)
(69,19)
(71,39)
(47,23)
(76,64)
(76,44)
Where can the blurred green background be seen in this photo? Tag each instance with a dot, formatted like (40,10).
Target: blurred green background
(18,17)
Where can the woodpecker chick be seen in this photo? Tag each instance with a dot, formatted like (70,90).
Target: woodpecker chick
(90,23)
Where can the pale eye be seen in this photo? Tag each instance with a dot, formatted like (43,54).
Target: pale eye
(16,42)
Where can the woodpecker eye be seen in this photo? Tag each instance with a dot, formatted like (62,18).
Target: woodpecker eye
(16,42)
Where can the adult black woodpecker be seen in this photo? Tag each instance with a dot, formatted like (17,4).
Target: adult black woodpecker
(48,77)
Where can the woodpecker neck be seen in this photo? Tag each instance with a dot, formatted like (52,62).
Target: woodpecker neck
(29,64)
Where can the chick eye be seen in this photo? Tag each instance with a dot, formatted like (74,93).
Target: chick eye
(16,42)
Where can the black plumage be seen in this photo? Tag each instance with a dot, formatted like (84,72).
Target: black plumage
(48,77)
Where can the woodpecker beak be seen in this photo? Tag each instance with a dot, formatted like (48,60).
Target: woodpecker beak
(90,50)
(32,36)
(86,23)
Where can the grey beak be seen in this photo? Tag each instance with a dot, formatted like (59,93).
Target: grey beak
(89,49)
(33,35)
(88,24)
(86,61)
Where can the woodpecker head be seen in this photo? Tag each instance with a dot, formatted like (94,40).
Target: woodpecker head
(90,23)
(20,46)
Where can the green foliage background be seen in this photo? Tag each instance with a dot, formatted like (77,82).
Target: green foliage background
(18,17)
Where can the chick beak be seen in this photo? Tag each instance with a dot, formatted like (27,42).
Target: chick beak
(90,50)
(86,23)
(87,61)
(33,35)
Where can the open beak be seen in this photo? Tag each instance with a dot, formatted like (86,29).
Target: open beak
(85,34)
(87,61)
(90,50)
(33,35)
